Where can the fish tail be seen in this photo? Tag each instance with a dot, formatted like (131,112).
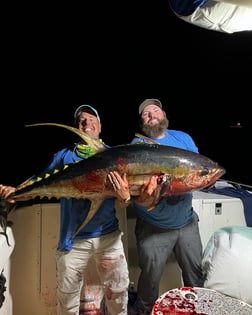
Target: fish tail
(5,209)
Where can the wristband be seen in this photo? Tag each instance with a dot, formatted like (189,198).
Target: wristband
(127,200)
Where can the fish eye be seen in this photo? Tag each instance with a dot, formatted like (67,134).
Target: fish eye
(205,172)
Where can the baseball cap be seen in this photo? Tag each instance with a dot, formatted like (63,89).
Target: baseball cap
(86,108)
(147,102)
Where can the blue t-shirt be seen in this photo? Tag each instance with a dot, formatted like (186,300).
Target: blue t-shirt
(74,211)
(172,212)
(185,7)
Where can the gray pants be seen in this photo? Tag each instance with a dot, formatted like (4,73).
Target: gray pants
(154,246)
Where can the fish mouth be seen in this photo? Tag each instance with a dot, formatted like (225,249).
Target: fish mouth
(221,171)
(217,173)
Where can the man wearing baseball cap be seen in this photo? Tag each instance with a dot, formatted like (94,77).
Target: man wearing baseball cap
(99,241)
(170,227)
(87,109)
(147,102)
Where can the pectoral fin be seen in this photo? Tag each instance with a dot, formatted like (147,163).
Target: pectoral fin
(163,184)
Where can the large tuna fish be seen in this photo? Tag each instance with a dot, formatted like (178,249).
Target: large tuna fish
(179,171)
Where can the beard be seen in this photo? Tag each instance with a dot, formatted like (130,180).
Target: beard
(155,130)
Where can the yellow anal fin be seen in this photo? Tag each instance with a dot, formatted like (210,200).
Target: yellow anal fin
(95,205)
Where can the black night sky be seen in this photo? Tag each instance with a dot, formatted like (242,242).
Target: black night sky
(113,56)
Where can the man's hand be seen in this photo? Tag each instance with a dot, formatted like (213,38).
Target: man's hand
(149,192)
(121,187)
(6,191)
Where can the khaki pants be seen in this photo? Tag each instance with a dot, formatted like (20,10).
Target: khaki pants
(108,264)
